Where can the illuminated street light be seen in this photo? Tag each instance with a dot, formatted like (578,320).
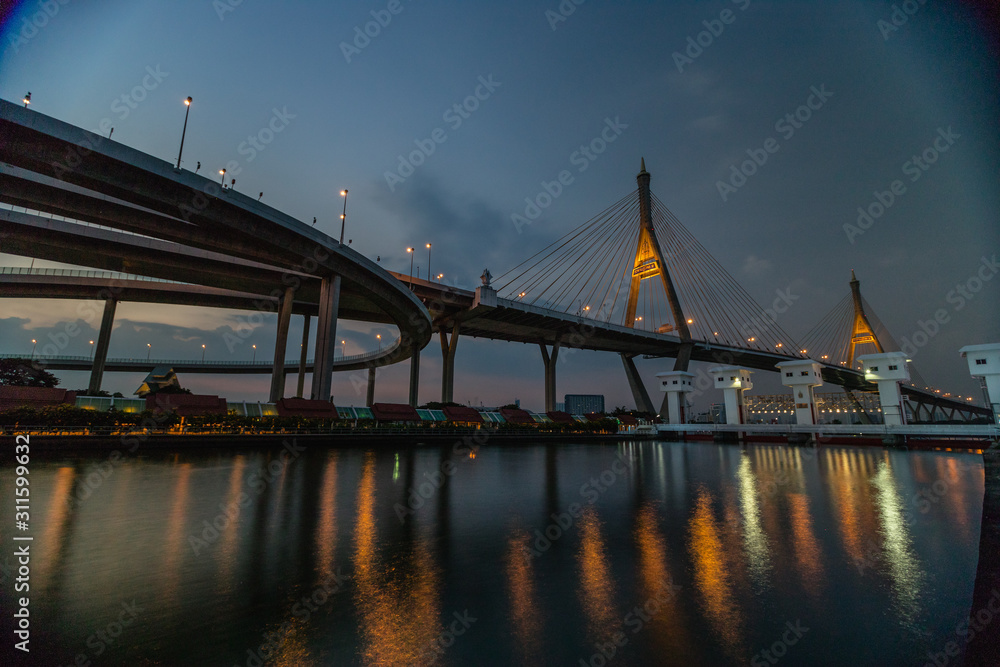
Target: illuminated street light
(428,261)
(187,103)
(343,216)
(33,344)
(149,348)
(203,352)
(222,181)
(254,355)
(379,337)
(343,348)
(91,350)
(410,250)
(440,276)
(27,100)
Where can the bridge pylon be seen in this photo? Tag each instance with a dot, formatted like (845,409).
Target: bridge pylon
(862,331)
(649,263)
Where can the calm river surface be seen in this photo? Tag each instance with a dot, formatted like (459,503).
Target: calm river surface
(538,554)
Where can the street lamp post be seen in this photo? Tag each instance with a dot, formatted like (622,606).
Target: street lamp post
(187,103)
(410,250)
(27,100)
(91,350)
(254,355)
(343,216)
(379,337)
(203,352)
(34,343)
(428,261)
(343,348)
(222,181)
(149,348)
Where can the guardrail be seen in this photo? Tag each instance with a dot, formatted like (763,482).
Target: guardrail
(944,430)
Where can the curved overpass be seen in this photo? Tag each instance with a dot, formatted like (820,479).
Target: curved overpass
(176,225)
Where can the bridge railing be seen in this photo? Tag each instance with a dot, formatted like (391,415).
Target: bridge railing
(142,361)
(81,273)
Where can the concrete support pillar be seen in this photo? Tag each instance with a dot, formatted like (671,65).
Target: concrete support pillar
(984,363)
(303,356)
(370,396)
(733,380)
(415,376)
(281,347)
(326,338)
(888,369)
(103,342)
(802,376)
(550,374)
(676,385)
(448,348)
(639,393)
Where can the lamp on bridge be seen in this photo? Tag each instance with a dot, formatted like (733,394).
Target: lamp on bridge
(379,337)
(254,355)
(34,343)
(203,352)
(222,181)
(343,348)
(149,348)
(343,216)
(410,250)
(187,103)
(91,350)
(27,100)
(428,261)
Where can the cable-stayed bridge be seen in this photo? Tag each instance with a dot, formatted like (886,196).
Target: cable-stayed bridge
(633,280)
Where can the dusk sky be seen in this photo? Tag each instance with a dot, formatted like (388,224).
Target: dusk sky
(884,86)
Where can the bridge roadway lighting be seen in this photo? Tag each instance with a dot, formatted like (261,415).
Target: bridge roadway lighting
(343,216)
(149,348)
(27,100)
(379,337)
(254,355)
(203,352)
(410,250)
(33,344)
(343,348)
(222,181)
(428,261)
(91,350)
(187,103)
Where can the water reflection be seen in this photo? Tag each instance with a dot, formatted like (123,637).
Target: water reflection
(712,574)
(657,588)
(754,539)
(326,527)
(904,568)
(807,549)
(597,587)
(398,603)
(526,617)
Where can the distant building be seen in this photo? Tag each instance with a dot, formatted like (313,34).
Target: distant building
(581,404)
(560,407)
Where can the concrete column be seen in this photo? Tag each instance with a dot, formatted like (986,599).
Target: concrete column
(370,396)
(303,356)
(415,376)
(984,363)
(103,341)
(888,369)
(639,393)
(676,385)
(802,376)
(550,373)
(733,380)
(281,347)
(326,338)
(448,348)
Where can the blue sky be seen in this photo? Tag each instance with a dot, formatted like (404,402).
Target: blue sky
(351,107)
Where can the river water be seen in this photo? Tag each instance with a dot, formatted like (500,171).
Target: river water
(637,553)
